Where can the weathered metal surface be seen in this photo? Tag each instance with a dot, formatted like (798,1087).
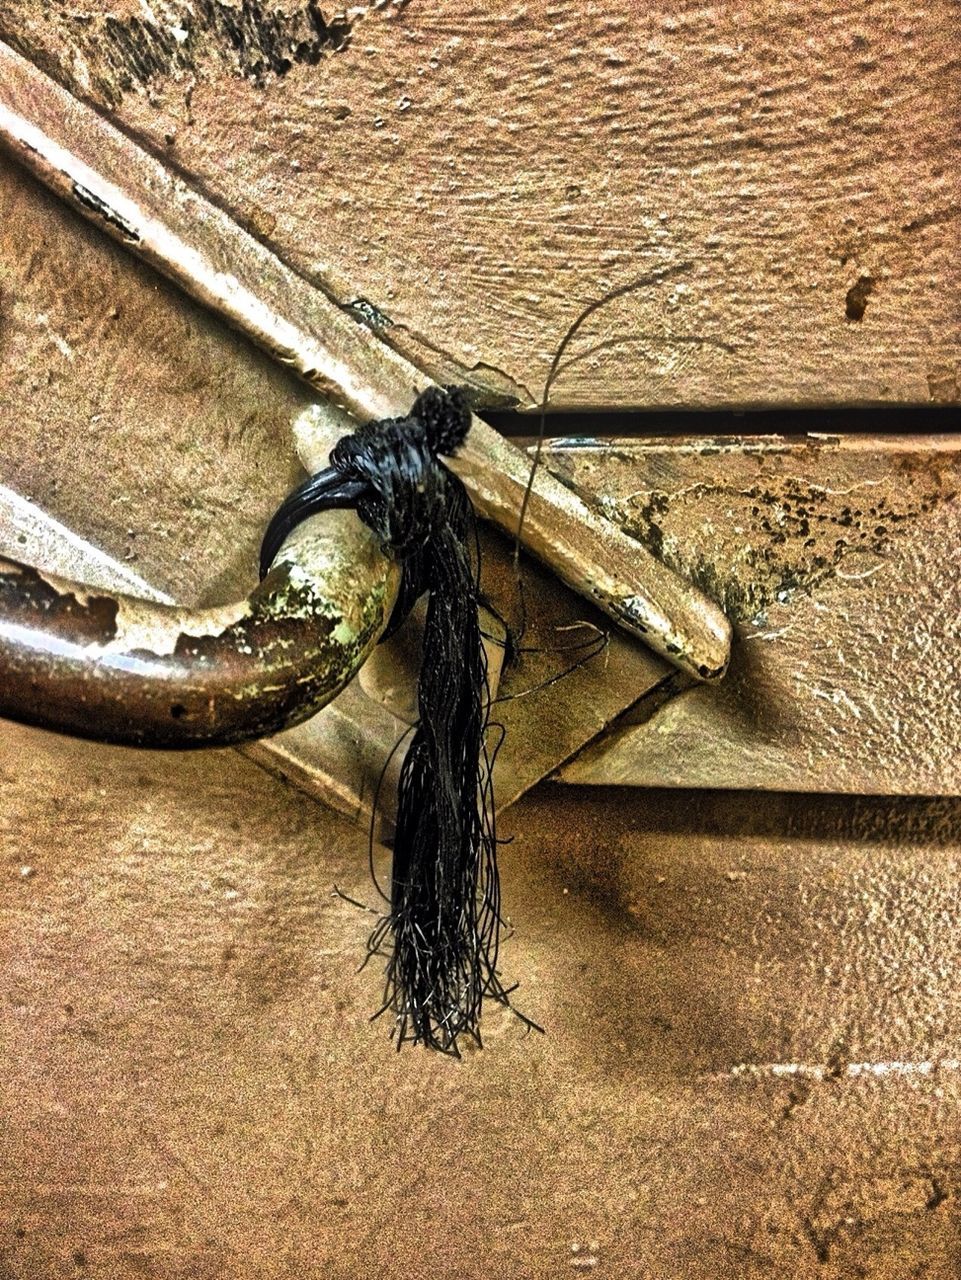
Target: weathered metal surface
(128,413)
(470,174)
(133,198)
(110,661)
(837,560)
(157,434)
(119,669)
(752,1065)
(560,691)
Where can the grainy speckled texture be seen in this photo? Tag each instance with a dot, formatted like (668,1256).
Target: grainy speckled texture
(475,174)
(191,1087)
(837,561)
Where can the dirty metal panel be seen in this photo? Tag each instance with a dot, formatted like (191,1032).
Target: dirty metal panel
(836,558)
(131,415)
(131,196)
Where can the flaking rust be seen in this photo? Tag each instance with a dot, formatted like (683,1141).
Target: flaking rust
(72,616)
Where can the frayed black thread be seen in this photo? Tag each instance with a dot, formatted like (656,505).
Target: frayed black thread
(441,935)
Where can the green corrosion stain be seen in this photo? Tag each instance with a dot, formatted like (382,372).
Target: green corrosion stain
(344,634)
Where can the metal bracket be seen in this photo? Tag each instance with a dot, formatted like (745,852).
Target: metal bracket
(136,671)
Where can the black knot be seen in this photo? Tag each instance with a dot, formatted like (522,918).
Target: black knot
(389,472)
(445,416)
(406,499)
(405,495)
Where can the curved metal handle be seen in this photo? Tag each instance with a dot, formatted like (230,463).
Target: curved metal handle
(127,670)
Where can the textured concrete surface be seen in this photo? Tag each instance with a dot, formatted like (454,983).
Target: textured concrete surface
(751,1065)
(472,174)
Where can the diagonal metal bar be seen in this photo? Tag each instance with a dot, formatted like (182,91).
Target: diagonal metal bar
(136,200)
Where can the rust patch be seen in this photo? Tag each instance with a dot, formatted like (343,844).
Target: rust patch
(778,537)
(266,637)
(272,668)
(28,597)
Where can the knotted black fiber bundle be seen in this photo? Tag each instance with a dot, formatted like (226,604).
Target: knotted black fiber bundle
(444,918)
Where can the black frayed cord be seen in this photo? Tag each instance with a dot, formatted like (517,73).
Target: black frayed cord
(444,921)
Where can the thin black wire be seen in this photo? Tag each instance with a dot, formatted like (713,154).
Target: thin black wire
(640,282)
(445,914)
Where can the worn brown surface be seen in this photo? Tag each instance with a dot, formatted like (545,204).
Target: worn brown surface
(128,413)
(167,441)
(474,175)
(836,559)
(191,1087)
(123,670)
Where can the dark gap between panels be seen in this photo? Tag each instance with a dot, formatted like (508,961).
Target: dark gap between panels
(899,420)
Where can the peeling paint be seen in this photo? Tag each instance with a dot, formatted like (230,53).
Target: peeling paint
(110,56)
(122,670)
(77,620)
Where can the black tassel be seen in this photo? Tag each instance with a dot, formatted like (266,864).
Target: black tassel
(444,922)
